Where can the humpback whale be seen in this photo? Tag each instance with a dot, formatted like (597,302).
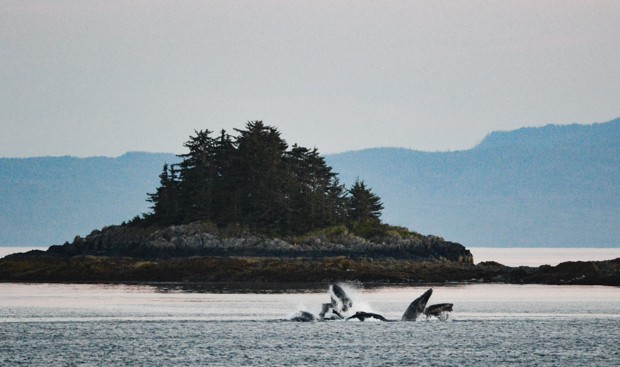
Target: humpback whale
(327,307)
(361,315)
(439,310)
(303,316)
(341,303)
(340,299)
(417,306)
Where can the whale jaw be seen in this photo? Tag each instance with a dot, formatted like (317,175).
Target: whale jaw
(417,306)
(340,300)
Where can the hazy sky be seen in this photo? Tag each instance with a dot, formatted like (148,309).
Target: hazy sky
(105,77)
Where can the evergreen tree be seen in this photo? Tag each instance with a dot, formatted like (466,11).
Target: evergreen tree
(313,191)
(197,176)
(166,199)
(337,203)
(261,176)
(255,180)
(226,196)
(364,205)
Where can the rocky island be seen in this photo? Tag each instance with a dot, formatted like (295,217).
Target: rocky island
(200,252)
(446,263)
(251,209)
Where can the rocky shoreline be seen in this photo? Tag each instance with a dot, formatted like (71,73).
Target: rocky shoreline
(205,239)
(201,253)
(99,269)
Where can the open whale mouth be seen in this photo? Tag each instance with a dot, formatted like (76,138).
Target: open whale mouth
(340,300)
(417,306)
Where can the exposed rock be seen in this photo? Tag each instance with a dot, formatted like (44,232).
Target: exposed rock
(43,267)
(202,239)
(200,252)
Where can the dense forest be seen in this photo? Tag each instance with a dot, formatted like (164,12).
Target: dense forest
(255,180)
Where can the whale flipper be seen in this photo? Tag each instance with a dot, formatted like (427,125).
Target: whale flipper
(361,315)
(417,306)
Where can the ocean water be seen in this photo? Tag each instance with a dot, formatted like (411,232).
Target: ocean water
(175,325)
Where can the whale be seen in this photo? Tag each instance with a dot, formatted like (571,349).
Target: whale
(417,306)
(341,303)
(325,309)
(361,315)
(303,316)
(438,310)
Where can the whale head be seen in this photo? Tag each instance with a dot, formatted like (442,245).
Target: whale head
(417,306)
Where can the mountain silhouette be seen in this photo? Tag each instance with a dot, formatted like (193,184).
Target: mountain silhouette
(548,186)
(557,185)
(50,200)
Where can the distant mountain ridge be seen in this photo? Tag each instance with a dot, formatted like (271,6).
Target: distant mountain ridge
(594,135)
(548,186)
(49,200)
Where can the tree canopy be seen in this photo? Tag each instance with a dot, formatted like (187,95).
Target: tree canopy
(254,179)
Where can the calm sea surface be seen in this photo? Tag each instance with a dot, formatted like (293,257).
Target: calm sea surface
(167,325)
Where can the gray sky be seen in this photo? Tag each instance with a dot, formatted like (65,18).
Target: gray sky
(105,77)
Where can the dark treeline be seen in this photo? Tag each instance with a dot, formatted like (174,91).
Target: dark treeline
(256,181)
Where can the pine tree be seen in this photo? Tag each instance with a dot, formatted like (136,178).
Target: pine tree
(197,175)
(337,203)
(364,205)
(166,199)
(262,176)
(254,180)
(226,195)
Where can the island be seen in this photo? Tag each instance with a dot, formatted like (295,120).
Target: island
(249,208)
